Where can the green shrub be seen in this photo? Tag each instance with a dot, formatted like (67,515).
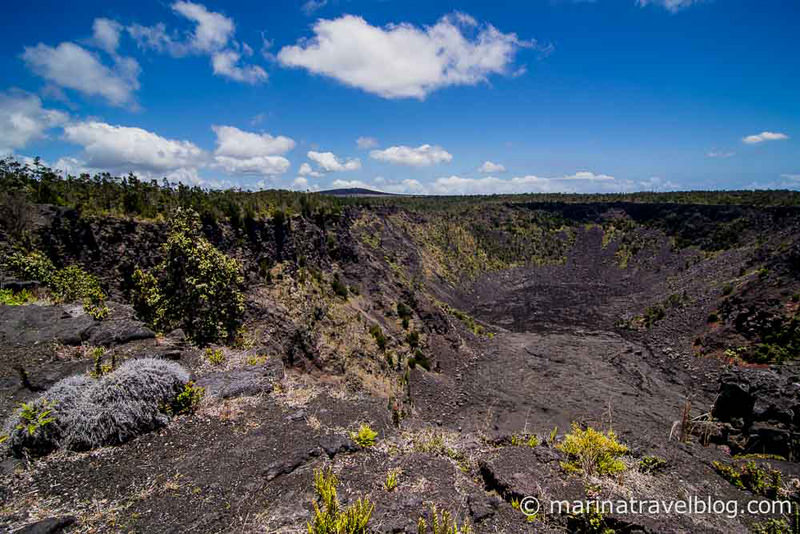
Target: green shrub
(420,359)
(592,452)
(329,518)
(339,288)
(761,480)
(196,287)
(31,266)
(70,284)
(215,357)
(188,399)
(524,440)
(412,338)
(651,464)
(365,436)
(377,333)
(772,526)
(20,298)
(403,310)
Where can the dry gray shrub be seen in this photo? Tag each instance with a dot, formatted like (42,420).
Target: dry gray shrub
(83,413)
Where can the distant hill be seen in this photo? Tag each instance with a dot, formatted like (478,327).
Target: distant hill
(356,192)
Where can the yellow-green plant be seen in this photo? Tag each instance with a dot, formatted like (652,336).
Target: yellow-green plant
(365,436)
(391,479)
(442,523)
(524,441)
(215,357)
(328,517)
(592,452)
(33,417)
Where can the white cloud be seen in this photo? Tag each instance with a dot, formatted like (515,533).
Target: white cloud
(233,142)
(257,165)
(402,60)
(792,177)
(240,152)
(673,6)
(306,170)
(580,182)
(300,183)
(365,143)
(421,156)
(226,64)
(106,34)
(212,30)
(212,35)
(23,119)
(123,149)
(310,6)
(489,167)
(71,66)
(328,162)
(764,136)
(723,154)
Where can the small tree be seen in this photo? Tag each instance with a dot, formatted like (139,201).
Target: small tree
(196,287)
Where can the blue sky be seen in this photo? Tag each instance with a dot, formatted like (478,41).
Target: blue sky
(445,97)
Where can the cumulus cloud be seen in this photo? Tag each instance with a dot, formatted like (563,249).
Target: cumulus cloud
(489,167)
(23,119)
(403,60)
(72,66)
(328,162)
(306,170)
(212,35)
(365,143)
(764,136)
(257,165)
(212,30)
(240,152)
(123,149)
(233,142)
(226,64)
(106,34)
(421,156)
(673,6)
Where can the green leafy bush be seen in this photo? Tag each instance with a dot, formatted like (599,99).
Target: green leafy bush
(651,464)
(196,287)
(761,480)
(329,518)
(376,332)
(20,298)
(339,288)
(188,399)
(592,452)
(70,284)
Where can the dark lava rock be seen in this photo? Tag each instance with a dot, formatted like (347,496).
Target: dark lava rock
(336,443)
(252,380)
(51,525)
(34,325)
(760,409)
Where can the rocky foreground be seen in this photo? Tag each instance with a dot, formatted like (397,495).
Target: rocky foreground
(499,327)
